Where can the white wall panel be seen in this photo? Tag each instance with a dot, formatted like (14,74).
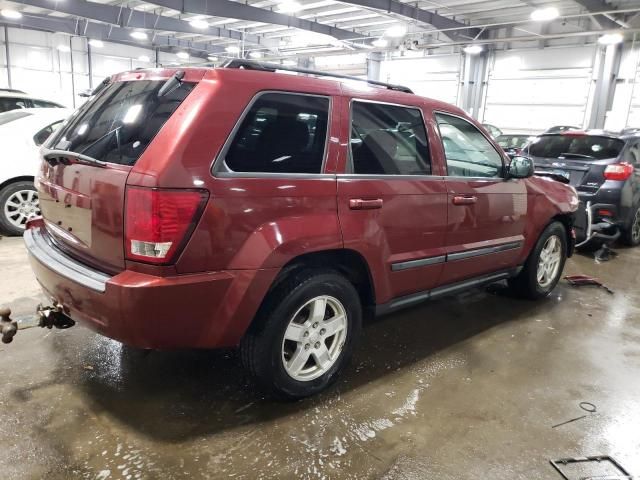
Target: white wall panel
(531,90)
(435,77)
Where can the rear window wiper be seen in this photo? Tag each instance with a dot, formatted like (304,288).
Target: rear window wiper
(171,84)
(54,157)
(577,155)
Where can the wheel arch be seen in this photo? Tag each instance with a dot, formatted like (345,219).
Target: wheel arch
(24,178)
(566,219)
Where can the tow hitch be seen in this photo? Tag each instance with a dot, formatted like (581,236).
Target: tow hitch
(46,317)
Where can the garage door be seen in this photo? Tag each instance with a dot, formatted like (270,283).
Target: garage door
(434,77)
(529,91)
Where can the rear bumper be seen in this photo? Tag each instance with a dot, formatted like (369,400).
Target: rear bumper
(203,310)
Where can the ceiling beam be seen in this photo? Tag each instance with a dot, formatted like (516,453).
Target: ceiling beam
(596,6)
(241,11)
(109,33)
(126,17)
(422,16)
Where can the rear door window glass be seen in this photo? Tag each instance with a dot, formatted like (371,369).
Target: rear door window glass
(119,123)
(388,140)
(576,147)
(281,133)
(9,103)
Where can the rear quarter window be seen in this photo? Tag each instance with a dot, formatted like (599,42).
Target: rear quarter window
(587,147)
(119,123)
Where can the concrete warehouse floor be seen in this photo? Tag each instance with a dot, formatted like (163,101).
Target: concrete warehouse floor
(463,388)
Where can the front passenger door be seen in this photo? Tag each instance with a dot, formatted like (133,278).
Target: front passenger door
(486,213)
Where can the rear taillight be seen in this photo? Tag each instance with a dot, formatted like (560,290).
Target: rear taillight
(618,171)
(159,222)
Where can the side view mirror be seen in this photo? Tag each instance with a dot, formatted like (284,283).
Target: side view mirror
(520,167)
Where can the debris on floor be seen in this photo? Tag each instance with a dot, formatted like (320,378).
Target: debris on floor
(588,407)
(591,468)
(582,280)
(605,253)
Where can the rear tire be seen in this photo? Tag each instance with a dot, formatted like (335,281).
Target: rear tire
(304,334)
(543,268)
(631,235)
(18,203)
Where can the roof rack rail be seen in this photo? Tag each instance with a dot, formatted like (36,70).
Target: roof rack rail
(272,67)
(12,90)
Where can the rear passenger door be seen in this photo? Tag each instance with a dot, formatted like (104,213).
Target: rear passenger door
(487,214)
(391,208)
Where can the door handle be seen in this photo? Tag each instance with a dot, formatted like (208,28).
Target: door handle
(464,200)
(361,204)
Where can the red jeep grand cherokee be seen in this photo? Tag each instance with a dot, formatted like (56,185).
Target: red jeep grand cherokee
(217,207)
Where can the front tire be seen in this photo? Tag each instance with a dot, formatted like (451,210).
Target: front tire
(18,204)
(543,268)
(304,334)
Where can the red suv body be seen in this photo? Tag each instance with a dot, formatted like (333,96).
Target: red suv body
(175,203)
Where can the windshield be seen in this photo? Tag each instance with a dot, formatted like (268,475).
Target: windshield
(587,147)
(119,123)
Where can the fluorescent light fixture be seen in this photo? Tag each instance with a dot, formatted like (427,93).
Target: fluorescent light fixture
(144,58)
(396,31)
(199,24)
(96,43)
(255,54)
(472,49)
(289,6)
(233,49)
(212,58)
(139,35)
(182,55)
(289,63)
(545,14)
(8,13)
(611,39)
(380,43)
(63,48)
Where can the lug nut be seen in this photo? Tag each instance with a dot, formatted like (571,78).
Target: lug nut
(322,331)
(306,334)
(315,325)
(317,345)
(307,346)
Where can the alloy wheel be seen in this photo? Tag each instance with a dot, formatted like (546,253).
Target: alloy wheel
(635,227)
(20,207)
(549,261)
(314,338)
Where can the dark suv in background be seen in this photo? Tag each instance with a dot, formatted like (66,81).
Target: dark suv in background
(604,168)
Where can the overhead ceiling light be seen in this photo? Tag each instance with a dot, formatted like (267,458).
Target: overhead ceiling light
(212,58)
(545,14)
(289,6)
(396,31)
(233,49)
(255,54)
(199,24)
(611,39)
(63,48)
(380,43)
(183,55)
(139,35)
(96,43)
(8,13)
(144,58)
(472,49)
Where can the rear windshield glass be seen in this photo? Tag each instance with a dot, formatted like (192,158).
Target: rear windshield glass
(587,147)
(119,123)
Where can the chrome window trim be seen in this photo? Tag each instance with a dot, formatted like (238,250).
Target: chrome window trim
(446,165)
(49,256)
(219,161)
(349,166)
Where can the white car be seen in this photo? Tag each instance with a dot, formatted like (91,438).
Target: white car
(21,134)
(11,99)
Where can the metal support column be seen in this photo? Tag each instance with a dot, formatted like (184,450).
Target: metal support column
(609,67)
(6,54)
(473,83)
(73,80)
(373,66)
(89,65)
